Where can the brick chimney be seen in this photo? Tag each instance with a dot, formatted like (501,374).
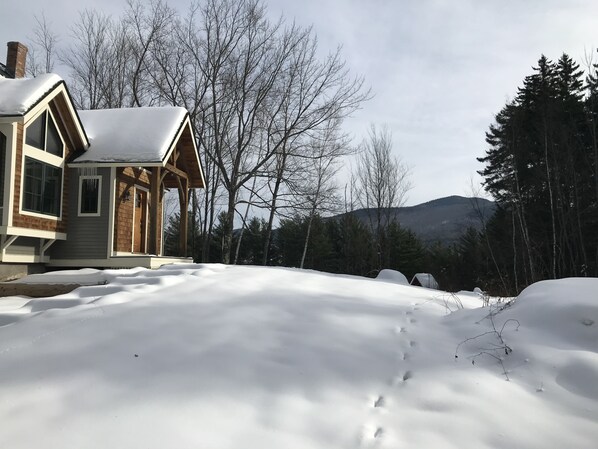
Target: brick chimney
(16,57)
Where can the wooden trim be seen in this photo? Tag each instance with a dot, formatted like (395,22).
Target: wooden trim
(120,261)
(35,233)
(153,245)
(111,211)
(144,235)
(98,213)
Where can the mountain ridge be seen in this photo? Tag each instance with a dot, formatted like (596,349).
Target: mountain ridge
(441,220)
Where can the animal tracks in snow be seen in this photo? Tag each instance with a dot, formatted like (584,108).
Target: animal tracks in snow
(372,433)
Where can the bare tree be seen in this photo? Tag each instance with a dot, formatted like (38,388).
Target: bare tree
(383,180)
(314,95)
(319,192)
(42,51)
(149,28)
(260,84)
(254,89)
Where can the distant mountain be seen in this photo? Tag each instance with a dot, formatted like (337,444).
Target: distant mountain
(443,220)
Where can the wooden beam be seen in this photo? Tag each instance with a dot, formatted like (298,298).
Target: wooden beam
(164,174)
(183,203)
(177,171)
(155,183)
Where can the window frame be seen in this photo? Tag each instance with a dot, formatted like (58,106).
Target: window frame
(40,213)
(3,170)
(80,201)
(43,157)
(49,116)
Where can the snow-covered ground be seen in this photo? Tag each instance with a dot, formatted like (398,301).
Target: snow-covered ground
(210,356)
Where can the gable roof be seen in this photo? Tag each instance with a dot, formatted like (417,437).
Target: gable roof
(19,96)
(146,136)
(130,135)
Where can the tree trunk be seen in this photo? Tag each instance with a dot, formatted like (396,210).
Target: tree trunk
(227,244)
(307,235)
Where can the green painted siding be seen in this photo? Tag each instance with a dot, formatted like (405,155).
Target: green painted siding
(87,236)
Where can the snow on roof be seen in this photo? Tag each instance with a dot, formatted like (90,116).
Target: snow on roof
(425,280)
(17,96)
(130,134)
(393,276)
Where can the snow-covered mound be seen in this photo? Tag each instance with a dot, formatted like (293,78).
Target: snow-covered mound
(564,312)
(226,357)
(394,276)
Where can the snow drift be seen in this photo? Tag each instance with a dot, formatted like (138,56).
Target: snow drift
(221,357)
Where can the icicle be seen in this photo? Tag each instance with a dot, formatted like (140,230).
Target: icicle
(88,171)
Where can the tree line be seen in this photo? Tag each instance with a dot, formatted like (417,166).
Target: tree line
(267,106)
(541,167)
(345,244)
(266,103)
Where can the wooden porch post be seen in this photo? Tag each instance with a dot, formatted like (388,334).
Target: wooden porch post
(155,181)
(183,202)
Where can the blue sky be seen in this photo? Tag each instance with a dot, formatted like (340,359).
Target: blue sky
(439,70)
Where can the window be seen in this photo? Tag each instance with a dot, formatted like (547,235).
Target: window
(43,135)
(2,170)
(89,195)
(42,188)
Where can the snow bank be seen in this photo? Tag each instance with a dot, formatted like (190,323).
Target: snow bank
(564,311)
(221,357)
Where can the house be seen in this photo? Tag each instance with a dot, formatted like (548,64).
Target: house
(86,188)
(424,280)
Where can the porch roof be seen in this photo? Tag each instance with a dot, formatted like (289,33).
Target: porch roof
(130,135)
(143,137)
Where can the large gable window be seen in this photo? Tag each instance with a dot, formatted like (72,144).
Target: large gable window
(43,135)
(42,188)
(43,163)
(89,195)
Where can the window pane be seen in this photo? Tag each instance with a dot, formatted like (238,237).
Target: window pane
(32,191)
(53,142)
(42,188)
(90,195)
(51,190)
(35,132)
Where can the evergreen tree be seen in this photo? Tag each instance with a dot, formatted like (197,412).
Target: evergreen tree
(540,168)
